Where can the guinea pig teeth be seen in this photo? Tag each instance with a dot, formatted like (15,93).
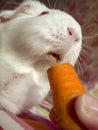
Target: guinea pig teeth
(54,56)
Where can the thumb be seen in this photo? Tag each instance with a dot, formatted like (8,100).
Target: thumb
(86,107)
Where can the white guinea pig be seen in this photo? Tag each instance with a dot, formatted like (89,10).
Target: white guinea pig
(31,36)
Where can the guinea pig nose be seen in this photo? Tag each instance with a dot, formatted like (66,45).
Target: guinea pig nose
(72,33)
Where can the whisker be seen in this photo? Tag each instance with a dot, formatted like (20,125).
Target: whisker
(55,4)
(86,60)
(64,8)
(60,4)
(78,67)
(81,59)
(90,37)
(84,52)
(86,46)
(80,62)
(63,5)
(49,4)
(86,49)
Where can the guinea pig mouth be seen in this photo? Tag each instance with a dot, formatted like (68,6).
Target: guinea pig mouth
(55,56)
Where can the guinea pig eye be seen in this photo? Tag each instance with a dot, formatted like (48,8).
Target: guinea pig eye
(45,12)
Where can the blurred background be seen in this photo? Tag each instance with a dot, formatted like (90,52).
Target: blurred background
(86,13)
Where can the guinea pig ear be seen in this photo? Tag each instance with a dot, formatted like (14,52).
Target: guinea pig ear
(21,9)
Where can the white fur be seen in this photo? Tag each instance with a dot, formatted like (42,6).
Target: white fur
(25,41)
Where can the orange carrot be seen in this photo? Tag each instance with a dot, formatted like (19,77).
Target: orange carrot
(65,86)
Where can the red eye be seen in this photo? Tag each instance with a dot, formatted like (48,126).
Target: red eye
(45,12)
